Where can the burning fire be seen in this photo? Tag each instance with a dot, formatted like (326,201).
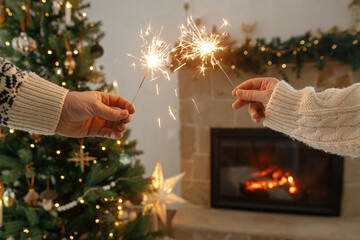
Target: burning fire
(275,178)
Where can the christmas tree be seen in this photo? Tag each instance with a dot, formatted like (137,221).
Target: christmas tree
(54,187)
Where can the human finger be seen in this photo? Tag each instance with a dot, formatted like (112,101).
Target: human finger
(250,84)
(115,100)
(239,103)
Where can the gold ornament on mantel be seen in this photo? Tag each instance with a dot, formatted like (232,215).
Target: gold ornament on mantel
(162,191)
(81,159)
(355,7)
(248,28)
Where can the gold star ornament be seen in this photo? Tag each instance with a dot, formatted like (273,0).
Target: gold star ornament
(81,159)
(162,191)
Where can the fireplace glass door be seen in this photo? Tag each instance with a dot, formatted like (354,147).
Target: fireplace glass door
(259,169)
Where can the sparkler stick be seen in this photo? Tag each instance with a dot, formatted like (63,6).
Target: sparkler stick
(142,82)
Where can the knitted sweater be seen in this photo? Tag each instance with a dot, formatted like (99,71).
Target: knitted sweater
(28,102)
(328,120)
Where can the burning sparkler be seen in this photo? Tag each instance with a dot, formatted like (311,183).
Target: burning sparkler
(155,56)
(196,43)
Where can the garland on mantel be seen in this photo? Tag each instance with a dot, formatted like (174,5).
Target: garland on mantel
(255,55)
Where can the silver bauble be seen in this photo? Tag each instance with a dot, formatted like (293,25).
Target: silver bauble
(24,44)
(124,159)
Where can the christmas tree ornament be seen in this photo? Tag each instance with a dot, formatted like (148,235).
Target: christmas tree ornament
(81,159)
(9,198)
(162,191)
(24,43)
(2,12)
(97,49)
(69,63)
(31,198)
(124,158)
(47,196)
(56,7)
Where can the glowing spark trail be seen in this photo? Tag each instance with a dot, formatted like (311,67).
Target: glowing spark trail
(157,89)
(196,43)
(197,109)
(171,113)
(159,122)
(155,55)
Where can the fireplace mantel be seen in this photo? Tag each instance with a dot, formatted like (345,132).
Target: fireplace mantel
(201,223)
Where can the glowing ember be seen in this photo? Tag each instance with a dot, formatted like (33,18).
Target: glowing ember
(275,178)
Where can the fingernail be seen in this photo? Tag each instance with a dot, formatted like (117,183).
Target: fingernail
(124,113)
(238,92)
(127,105)
(119,127)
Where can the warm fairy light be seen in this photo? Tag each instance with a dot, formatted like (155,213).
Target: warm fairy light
(76,52)
(94,162)
(120,200)
(57,63)
(117,224)
(316,42)
(84,14)
(62,177)
(118,142)
(278,54)
(82,201)
(80,180)
(111,235)
(44,1)
(294,52)
(119,207)
(97,207)
(355,42)
(32,145)
(10,14)
(82,146)
(103,148)
(63,83)
(71,237)
(47,14)
(97,220)
(159,122)
(7,43)
(154,54)
(262,49)
(322,57)
(58,72)
(115,84)
(171,113)
(233,67)
(283,65)
(25,230)
(105,199)
(334,46)
(91,68)
(269,63)
(293,189)
(23,7)
(57,205)
(302,42)
(246,52)
(11,130)
(58,152)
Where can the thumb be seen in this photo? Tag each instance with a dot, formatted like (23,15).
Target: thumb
(110,114)
(252,95)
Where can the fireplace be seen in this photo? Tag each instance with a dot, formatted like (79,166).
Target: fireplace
(260,169)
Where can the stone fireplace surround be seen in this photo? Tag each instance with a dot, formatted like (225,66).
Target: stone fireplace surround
(196,220)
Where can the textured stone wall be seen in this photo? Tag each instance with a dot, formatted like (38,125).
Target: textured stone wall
(212,94)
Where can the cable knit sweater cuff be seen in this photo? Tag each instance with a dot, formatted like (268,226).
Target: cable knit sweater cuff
(37,107)
(282,110)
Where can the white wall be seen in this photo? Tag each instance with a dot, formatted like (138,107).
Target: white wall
(123,19)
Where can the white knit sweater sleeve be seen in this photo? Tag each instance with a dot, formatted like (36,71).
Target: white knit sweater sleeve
(29,102)
(328,120)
